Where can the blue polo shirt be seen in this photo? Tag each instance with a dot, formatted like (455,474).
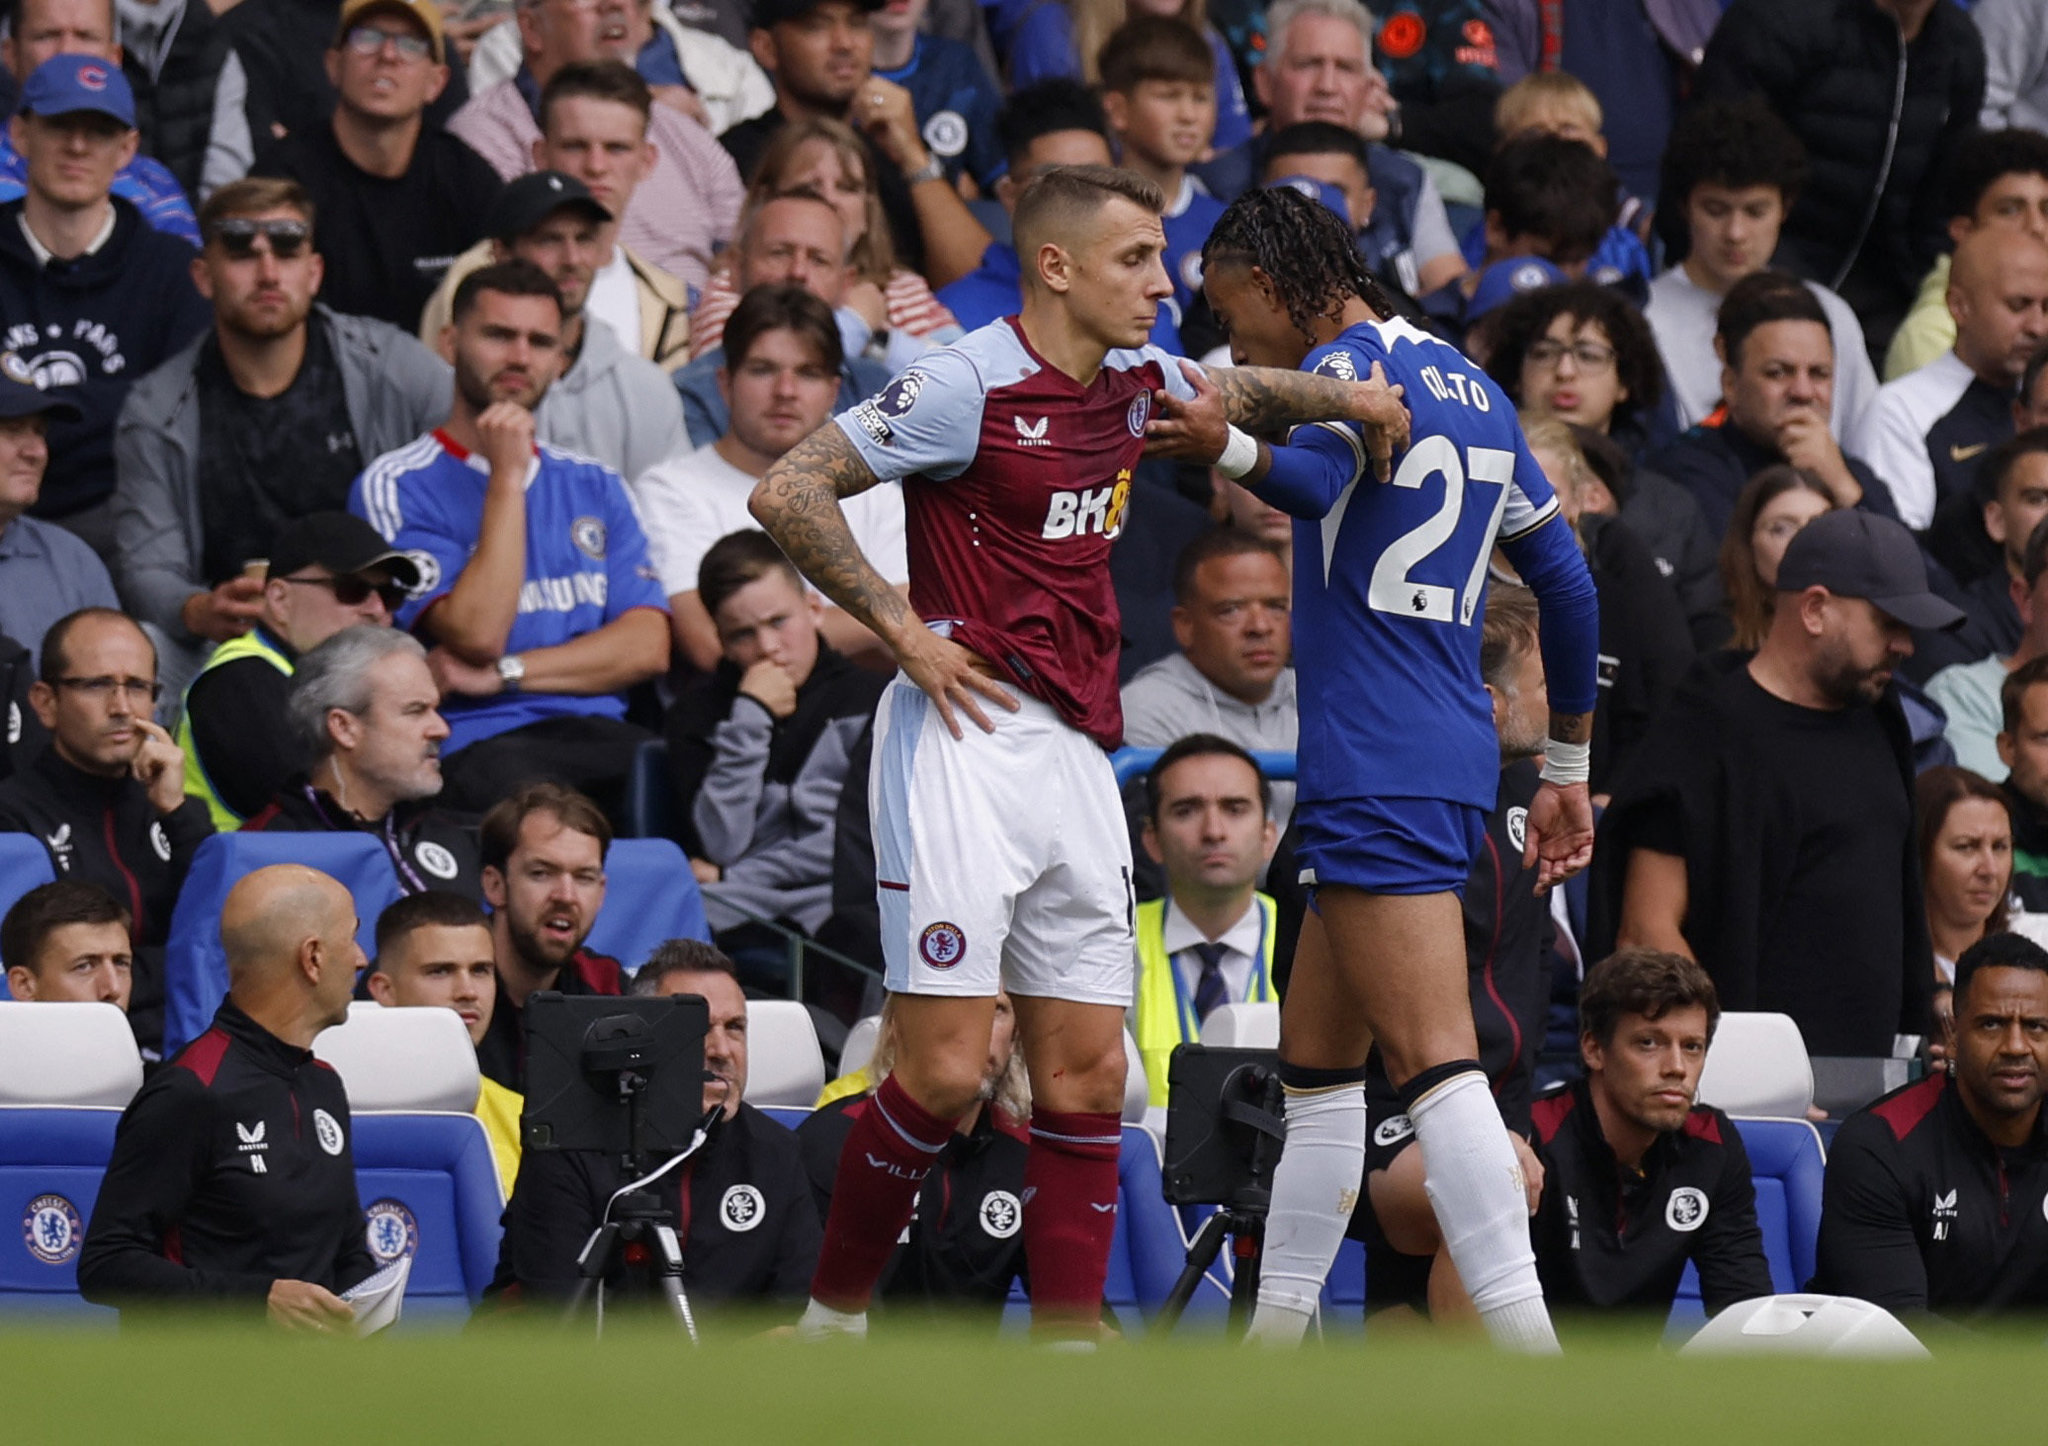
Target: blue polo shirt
(956,104)
(586,560)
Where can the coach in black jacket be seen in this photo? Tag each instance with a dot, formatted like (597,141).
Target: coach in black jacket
(232,1181)
(742,1203)
(1879,94)
(107,796)
(1637,1179)
(1937,1195)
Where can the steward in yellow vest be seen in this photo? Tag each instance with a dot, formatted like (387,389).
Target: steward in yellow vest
(1165,1013)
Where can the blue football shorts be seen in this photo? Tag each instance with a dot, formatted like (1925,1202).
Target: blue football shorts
(1389,845)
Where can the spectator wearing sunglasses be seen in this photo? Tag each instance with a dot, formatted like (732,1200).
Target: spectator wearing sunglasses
(264,420)
(45,572)
(107,797)
(398,199)
(327,572)
(92,297)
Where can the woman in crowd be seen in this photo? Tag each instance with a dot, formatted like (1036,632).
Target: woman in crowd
(1642,627)
(1777,502)
(1965,864)
(1064,37)
(824,155)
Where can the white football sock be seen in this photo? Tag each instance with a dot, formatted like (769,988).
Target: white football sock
(821,1322)
(1475,1186)
(1315,1187)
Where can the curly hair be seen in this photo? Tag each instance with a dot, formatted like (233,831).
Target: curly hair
(1524,320)
(1305,250)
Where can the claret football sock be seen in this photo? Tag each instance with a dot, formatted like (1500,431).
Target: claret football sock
(1474,1181)
(892,1147)
(1069,1217)
(1315,1189)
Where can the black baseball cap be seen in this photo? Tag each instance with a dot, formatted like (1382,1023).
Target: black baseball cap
(342,543)
(534,197)
(768,13)
(1853,553)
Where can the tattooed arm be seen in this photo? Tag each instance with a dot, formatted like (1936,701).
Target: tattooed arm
(1263,399)
(797,502)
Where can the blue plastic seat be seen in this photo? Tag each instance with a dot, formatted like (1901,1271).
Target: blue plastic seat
(195,967)
(1787,1164)
(24,865)
(650,895)
(651,794)
(51,1161)
(428,1187)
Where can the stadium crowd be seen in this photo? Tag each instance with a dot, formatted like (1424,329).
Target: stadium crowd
(383,384)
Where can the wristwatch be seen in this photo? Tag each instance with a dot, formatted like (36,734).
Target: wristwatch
(512,672)
(932,170)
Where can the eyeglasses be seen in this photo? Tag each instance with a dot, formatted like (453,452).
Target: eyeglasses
(1590,355)
(103,688)
(352,591)
(368,40)
(237,237)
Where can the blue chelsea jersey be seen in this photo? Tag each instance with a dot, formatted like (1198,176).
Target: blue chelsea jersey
(586,560)
(1390,578)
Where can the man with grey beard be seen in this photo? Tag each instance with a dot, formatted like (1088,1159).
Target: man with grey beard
(1764,827)
(364,709)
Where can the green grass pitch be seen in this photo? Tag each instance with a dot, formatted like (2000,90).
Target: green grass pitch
(213,1383)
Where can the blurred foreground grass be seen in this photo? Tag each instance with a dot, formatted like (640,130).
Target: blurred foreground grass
(214,1382)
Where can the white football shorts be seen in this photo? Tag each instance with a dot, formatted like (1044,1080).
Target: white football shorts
(1002,859)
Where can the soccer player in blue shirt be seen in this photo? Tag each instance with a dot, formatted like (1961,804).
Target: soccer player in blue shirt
(1399,763)
(536,595)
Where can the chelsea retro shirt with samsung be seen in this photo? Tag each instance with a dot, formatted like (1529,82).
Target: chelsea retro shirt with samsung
(1390,578)
(586,560)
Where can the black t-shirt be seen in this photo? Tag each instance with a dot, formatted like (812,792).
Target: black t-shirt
(268,461)
(387,241)
(1832,946)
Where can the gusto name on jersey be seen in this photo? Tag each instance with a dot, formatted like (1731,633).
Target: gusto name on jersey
(1088,510)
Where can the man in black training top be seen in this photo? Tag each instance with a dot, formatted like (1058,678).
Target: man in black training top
(1637,1179)
(1936,1201)
(232,1180)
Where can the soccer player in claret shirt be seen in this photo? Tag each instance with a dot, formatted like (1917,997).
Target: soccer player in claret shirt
(1001,850)
(1398,757)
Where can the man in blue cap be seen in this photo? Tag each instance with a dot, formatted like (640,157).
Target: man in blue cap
(45,572)
(91,295)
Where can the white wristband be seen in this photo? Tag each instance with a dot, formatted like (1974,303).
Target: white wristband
(1240,455)
(1566,763)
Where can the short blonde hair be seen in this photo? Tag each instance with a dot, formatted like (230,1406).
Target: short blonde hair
(1548,434)
(1524,105)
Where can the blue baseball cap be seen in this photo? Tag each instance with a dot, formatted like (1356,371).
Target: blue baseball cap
(1505,280)
(21,397)
(1331,196)
(68,84)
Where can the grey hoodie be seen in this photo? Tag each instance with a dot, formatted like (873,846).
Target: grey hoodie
(1170,699)
(394,389)
(613,406)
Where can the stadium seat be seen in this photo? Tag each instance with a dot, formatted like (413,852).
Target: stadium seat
(1757,1067)
(1149,1249)
(1243,1026)
(24,864)
(196,969)
(1787,1165)
(424,1173)
(66,1073)
(788,1116)
(651,794)
(784,1064)
(650,896)
(860,1045)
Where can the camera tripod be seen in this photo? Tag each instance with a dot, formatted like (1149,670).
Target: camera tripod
(1251,1100)
(636,1217)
